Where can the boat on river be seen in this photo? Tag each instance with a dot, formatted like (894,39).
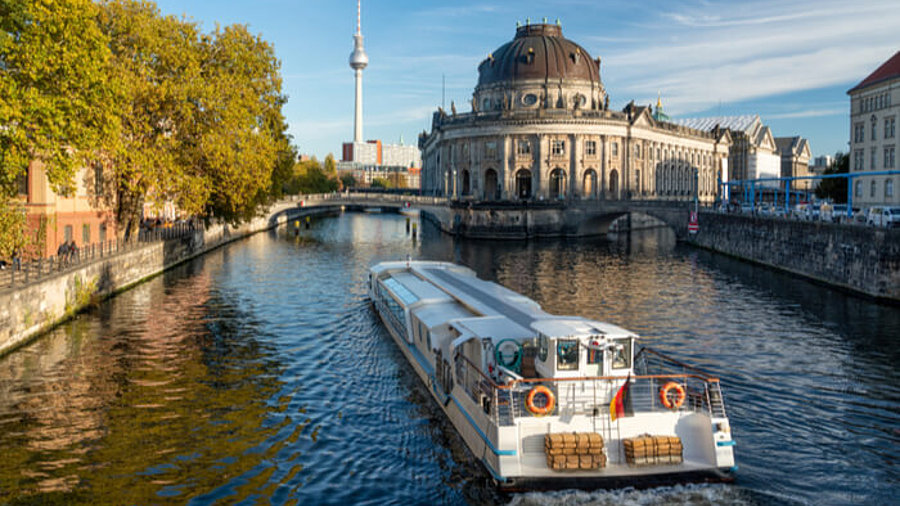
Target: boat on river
(546,401)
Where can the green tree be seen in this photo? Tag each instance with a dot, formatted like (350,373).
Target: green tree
(156,63)
(835,188)
(12,229)
(380,182)
(347,180)
(57,98)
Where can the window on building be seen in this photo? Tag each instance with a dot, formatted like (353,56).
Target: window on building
(888,188)
(637,151)
(590,148)
(857,190)
(615,149)
(558,147)
(889,127)
(657,153)
(858,132)
(872,188)
(490,150)
(85,234)
(67,233)
(874,122)
(103,232)
(873,159)
(523,148)
(889,157)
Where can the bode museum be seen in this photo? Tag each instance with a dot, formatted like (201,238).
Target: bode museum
(540,128)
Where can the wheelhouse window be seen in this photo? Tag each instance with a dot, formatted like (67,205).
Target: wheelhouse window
(594,353)
(543,348)
(621,354)
(567,355)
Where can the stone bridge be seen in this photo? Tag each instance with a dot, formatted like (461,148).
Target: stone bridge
(499,220)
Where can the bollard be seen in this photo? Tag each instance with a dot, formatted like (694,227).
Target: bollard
(307,222)
(407,224)
(414,231)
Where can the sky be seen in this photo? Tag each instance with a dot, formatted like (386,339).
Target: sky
(789,61)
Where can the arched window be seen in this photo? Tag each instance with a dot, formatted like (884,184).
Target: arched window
(557,184)
(590,184)
(523,184)
(466,183)
(491,188)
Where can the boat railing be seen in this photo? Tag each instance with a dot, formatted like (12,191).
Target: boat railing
(588,396)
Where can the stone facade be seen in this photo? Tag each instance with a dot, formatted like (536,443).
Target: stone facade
(874,114)
(540,129)
(795,155)
(861,259)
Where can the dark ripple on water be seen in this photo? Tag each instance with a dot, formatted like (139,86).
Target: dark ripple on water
(259,374)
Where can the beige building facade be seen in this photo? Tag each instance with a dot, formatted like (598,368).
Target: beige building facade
(540,128)
(874,114)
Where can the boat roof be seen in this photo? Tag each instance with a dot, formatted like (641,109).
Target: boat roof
(574,326)
(433,315)
(496,327)
(488,309)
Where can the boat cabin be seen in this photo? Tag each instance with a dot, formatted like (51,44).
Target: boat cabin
(579,348)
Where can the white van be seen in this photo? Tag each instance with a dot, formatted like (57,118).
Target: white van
(882,216)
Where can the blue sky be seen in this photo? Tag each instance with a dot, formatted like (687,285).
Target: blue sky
(791,62)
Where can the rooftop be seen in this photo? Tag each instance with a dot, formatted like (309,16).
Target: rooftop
(888,70)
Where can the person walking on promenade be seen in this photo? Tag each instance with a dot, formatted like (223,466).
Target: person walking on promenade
(73,251)
(62,253)
(16,260)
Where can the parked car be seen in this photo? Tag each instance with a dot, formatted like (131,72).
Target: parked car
(881,216)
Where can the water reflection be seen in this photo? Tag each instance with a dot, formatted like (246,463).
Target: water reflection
(258,373)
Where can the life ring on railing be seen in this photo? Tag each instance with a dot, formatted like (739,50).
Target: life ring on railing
(548,406)
(679,395)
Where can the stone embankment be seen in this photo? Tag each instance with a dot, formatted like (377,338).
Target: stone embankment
(861,259)
(30,309)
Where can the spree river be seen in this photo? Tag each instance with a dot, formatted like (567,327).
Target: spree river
(259,374)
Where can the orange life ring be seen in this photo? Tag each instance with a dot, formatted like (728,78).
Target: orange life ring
(679,395)
(548,407)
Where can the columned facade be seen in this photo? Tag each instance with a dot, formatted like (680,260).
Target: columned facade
(540,124)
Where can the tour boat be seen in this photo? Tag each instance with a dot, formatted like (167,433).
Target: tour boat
(551,402)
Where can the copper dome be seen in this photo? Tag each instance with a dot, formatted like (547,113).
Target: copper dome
(538,52)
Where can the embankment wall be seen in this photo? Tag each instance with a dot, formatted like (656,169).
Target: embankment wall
(31,309)
(857,258)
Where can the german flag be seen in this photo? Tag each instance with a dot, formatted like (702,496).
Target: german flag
(621,403)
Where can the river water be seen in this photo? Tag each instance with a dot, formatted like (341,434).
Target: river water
(259,374)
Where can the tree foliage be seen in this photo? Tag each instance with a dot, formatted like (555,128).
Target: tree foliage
(57,97)
(12,229)
(835,188)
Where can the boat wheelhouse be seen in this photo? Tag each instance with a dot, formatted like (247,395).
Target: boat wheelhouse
(549,401)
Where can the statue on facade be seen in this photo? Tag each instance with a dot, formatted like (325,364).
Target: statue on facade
(452,108)
(505,102)
(474,105)
(606,103)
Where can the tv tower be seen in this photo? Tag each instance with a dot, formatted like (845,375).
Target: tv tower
(358,61)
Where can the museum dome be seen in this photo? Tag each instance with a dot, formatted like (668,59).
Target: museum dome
(538,52)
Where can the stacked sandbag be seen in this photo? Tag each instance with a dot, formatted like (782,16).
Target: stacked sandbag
(647,450)
(573,451)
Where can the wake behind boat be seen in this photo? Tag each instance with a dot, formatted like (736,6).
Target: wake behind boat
(549,402)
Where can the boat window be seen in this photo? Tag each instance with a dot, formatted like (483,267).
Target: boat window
(401,291)
(543,348)
(567,354)
(594,353)
(621,354)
